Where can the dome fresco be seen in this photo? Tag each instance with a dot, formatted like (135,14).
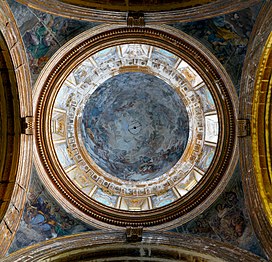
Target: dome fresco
(135,126)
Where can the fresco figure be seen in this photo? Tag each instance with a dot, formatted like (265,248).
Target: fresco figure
(43,218)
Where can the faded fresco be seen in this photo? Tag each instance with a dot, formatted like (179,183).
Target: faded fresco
(43,218)
(226,37)
(226,220)
(135,126)
(43,34)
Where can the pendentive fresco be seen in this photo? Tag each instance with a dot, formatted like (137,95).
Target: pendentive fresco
(43,218)
(145,152)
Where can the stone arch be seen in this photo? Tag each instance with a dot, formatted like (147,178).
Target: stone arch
(15,126)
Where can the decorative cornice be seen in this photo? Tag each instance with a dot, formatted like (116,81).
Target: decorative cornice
(102,246)
(186,48)
(199,12)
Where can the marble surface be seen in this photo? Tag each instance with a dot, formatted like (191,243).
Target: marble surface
(135,126)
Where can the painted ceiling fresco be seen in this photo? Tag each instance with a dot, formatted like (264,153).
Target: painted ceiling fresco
(135,126)
(226,220)
(134,141)
(43,34)
(43,218)
(226,37)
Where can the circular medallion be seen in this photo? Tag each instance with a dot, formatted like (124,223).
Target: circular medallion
(137,130)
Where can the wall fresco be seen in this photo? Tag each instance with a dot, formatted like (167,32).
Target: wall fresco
(227,219)
(135,126)
(226,36)
(43,33)
(43,218)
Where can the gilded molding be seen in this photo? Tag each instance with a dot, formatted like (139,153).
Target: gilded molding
(253,105)
(261,128)
(215,78)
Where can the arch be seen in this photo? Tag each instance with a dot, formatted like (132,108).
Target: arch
(104,246)
(160,13)
(16,129)
(255,106)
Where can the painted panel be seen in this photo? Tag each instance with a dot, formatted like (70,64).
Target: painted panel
(63,155)
(103,198)
(207,99)
(105,55)
(211,128)
(207,157)
(165,56)
(134,51)
(84,71)
(164,199)
(187,183)
(189,73)
(64,96)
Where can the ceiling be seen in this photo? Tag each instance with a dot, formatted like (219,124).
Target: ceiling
(133,126)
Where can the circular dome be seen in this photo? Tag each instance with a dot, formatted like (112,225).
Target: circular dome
(135,126)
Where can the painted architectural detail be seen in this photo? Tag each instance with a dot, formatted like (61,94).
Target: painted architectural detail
(138,120)
(212,128)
